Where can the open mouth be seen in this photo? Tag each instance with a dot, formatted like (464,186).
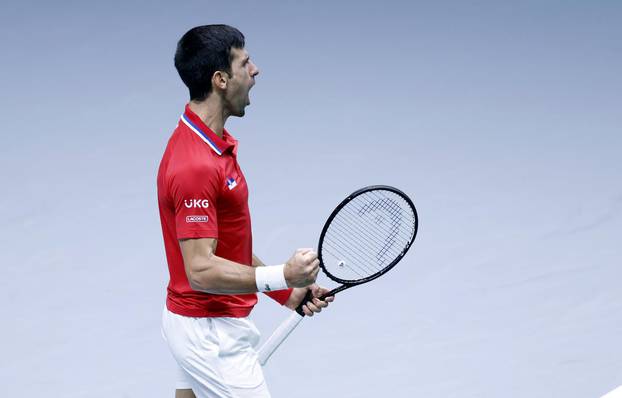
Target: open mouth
(248,101)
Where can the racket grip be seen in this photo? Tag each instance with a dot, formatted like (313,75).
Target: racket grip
(308,297)
(277,337)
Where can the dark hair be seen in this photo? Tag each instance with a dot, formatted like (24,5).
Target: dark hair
(201,52)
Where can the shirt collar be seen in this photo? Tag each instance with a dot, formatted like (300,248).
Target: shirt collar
(218,145)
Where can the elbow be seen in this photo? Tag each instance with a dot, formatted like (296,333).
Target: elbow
(195,282)
(202,280)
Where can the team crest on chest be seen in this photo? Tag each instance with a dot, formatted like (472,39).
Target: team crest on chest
(231,183)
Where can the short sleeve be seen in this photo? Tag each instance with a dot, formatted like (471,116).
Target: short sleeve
(280,296)
(195,191)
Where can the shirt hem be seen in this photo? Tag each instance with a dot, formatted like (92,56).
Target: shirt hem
(240,312)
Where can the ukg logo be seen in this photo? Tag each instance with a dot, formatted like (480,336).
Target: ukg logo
(196,203)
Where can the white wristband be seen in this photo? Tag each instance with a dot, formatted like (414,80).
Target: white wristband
(270,278)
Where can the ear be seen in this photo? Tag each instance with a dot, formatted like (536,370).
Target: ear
(220,80)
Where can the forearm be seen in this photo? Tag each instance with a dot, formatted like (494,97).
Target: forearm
(218,275)
(207,272)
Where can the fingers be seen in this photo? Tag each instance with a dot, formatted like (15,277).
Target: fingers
(307,311)
(314,306)
(316,269)
(304,250)
(309,256)
(319,303)
(319,291)
(328,299)
(314,266)
(302,268)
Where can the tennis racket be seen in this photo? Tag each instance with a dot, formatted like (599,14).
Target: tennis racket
(365,236)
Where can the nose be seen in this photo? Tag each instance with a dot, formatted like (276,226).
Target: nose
(254,70)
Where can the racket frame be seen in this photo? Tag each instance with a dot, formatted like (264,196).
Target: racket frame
(352,196)
(346,284)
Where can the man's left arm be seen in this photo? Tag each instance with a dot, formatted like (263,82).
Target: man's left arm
(293,297)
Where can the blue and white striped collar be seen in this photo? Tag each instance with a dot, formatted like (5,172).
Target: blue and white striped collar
(195,124)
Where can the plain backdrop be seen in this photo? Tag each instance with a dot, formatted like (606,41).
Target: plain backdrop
(501,119)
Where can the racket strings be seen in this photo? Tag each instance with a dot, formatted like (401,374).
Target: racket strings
(358,273)
(362,262)
(360,252)
(406,235)
(357,251)
(395,233)
(403,236)
(368,234)
(395,212)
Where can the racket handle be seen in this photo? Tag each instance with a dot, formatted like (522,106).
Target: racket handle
(278,337)
(308,297)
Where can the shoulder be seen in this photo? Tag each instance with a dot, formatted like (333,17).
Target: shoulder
(189,155)
(191,166)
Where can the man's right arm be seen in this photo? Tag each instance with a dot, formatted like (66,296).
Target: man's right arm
(210,273)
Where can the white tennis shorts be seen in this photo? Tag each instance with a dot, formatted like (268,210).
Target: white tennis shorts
(216,357)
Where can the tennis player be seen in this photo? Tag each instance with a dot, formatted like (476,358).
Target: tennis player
(203,203)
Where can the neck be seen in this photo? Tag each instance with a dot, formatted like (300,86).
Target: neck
(211,112)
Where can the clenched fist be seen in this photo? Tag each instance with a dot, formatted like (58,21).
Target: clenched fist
(302,268)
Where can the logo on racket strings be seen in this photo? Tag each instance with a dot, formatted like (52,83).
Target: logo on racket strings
(393,211)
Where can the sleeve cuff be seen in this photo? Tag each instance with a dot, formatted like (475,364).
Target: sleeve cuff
(197,234)
(280,296)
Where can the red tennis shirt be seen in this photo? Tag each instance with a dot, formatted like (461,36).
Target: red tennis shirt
(202,193)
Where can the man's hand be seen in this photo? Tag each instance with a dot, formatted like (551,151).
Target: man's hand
(298,294)
(302,268)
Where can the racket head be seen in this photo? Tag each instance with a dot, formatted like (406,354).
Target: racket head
(367,234)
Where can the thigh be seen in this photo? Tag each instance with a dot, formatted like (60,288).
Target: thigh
(184,393)
(238,358)
(195,346)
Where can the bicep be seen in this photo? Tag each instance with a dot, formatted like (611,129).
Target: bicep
(197,253)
